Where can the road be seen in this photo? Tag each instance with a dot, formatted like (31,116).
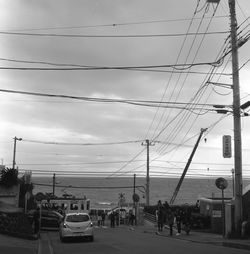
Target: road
(122,240)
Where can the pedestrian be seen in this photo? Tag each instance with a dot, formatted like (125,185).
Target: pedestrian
(36,219)
(103,218)
(187,220)
(130,218)
(99,218)
(178,220)
(160,216)
(117,218)
(112,219)
(170,219)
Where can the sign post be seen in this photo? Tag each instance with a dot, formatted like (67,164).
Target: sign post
(136,200)
(221,183)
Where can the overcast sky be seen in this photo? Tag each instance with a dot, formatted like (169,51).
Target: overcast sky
(94,137)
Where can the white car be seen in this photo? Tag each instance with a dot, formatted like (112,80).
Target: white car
(76,225)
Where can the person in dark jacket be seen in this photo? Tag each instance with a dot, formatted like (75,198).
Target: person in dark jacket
(36,219)
(112,219)
(178,220)
(170,219)
(160,216)
(187,220)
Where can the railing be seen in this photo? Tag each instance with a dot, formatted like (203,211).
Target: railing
(150,217)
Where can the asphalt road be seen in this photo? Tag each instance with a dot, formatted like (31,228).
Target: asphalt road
(122,240)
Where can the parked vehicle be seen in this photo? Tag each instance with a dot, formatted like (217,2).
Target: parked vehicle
(49,219)
(76,225)
(66,205)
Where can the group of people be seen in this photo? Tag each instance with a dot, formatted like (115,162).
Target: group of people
(165,215)
(117,218)
(101,219)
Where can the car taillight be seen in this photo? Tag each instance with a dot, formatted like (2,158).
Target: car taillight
(65,225)
(90,224)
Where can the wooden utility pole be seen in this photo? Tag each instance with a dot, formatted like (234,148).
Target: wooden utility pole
(147,143)
(54,183)
(186,167)
(14,153)
(237,120)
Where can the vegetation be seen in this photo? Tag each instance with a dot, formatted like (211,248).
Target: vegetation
(9,177)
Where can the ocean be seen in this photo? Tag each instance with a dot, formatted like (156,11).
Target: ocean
(102,191)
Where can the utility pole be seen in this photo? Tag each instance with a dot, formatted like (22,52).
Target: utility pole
(134,183)
(232,171)
(14,153)
(54,183)
(147,143)
(186,167)
(237,120)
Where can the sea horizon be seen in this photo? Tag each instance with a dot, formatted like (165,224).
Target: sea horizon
(107,190)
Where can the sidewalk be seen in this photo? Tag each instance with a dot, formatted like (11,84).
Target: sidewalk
(15,245)
(198,237)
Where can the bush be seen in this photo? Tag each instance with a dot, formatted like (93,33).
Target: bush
(9,177)
(16,224)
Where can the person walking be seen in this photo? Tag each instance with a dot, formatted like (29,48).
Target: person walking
(112,219)
(103,218)
(160,216)
(178,220)
(117,218)
(170,218)
(187,220)
(36,219)
(99,218)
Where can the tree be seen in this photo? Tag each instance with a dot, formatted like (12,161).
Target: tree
(9,177)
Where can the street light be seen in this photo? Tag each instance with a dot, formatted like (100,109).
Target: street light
(14,153)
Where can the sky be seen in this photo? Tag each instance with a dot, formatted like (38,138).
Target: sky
(104,53)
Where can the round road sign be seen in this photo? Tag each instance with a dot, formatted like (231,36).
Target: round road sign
(221,183)
(136,197)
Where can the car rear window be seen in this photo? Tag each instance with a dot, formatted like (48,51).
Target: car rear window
(77,218)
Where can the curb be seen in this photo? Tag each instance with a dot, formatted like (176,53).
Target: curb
(236,245)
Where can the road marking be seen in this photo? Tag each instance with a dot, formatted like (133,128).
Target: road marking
(44,245)
(50,247)
(39,251)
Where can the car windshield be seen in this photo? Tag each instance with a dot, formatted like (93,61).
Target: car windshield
(77,218)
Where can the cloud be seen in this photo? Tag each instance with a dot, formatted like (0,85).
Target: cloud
(72,121)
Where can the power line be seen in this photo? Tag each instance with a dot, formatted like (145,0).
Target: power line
(89,187)
(89,67)
(127,163)
(74,163)
(176,105)
(74,67)
(81,144)
(109,36)
(110,25)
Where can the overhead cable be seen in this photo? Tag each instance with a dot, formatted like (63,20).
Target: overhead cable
(176,105)
(80,144)
(109,25)
(109,36)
